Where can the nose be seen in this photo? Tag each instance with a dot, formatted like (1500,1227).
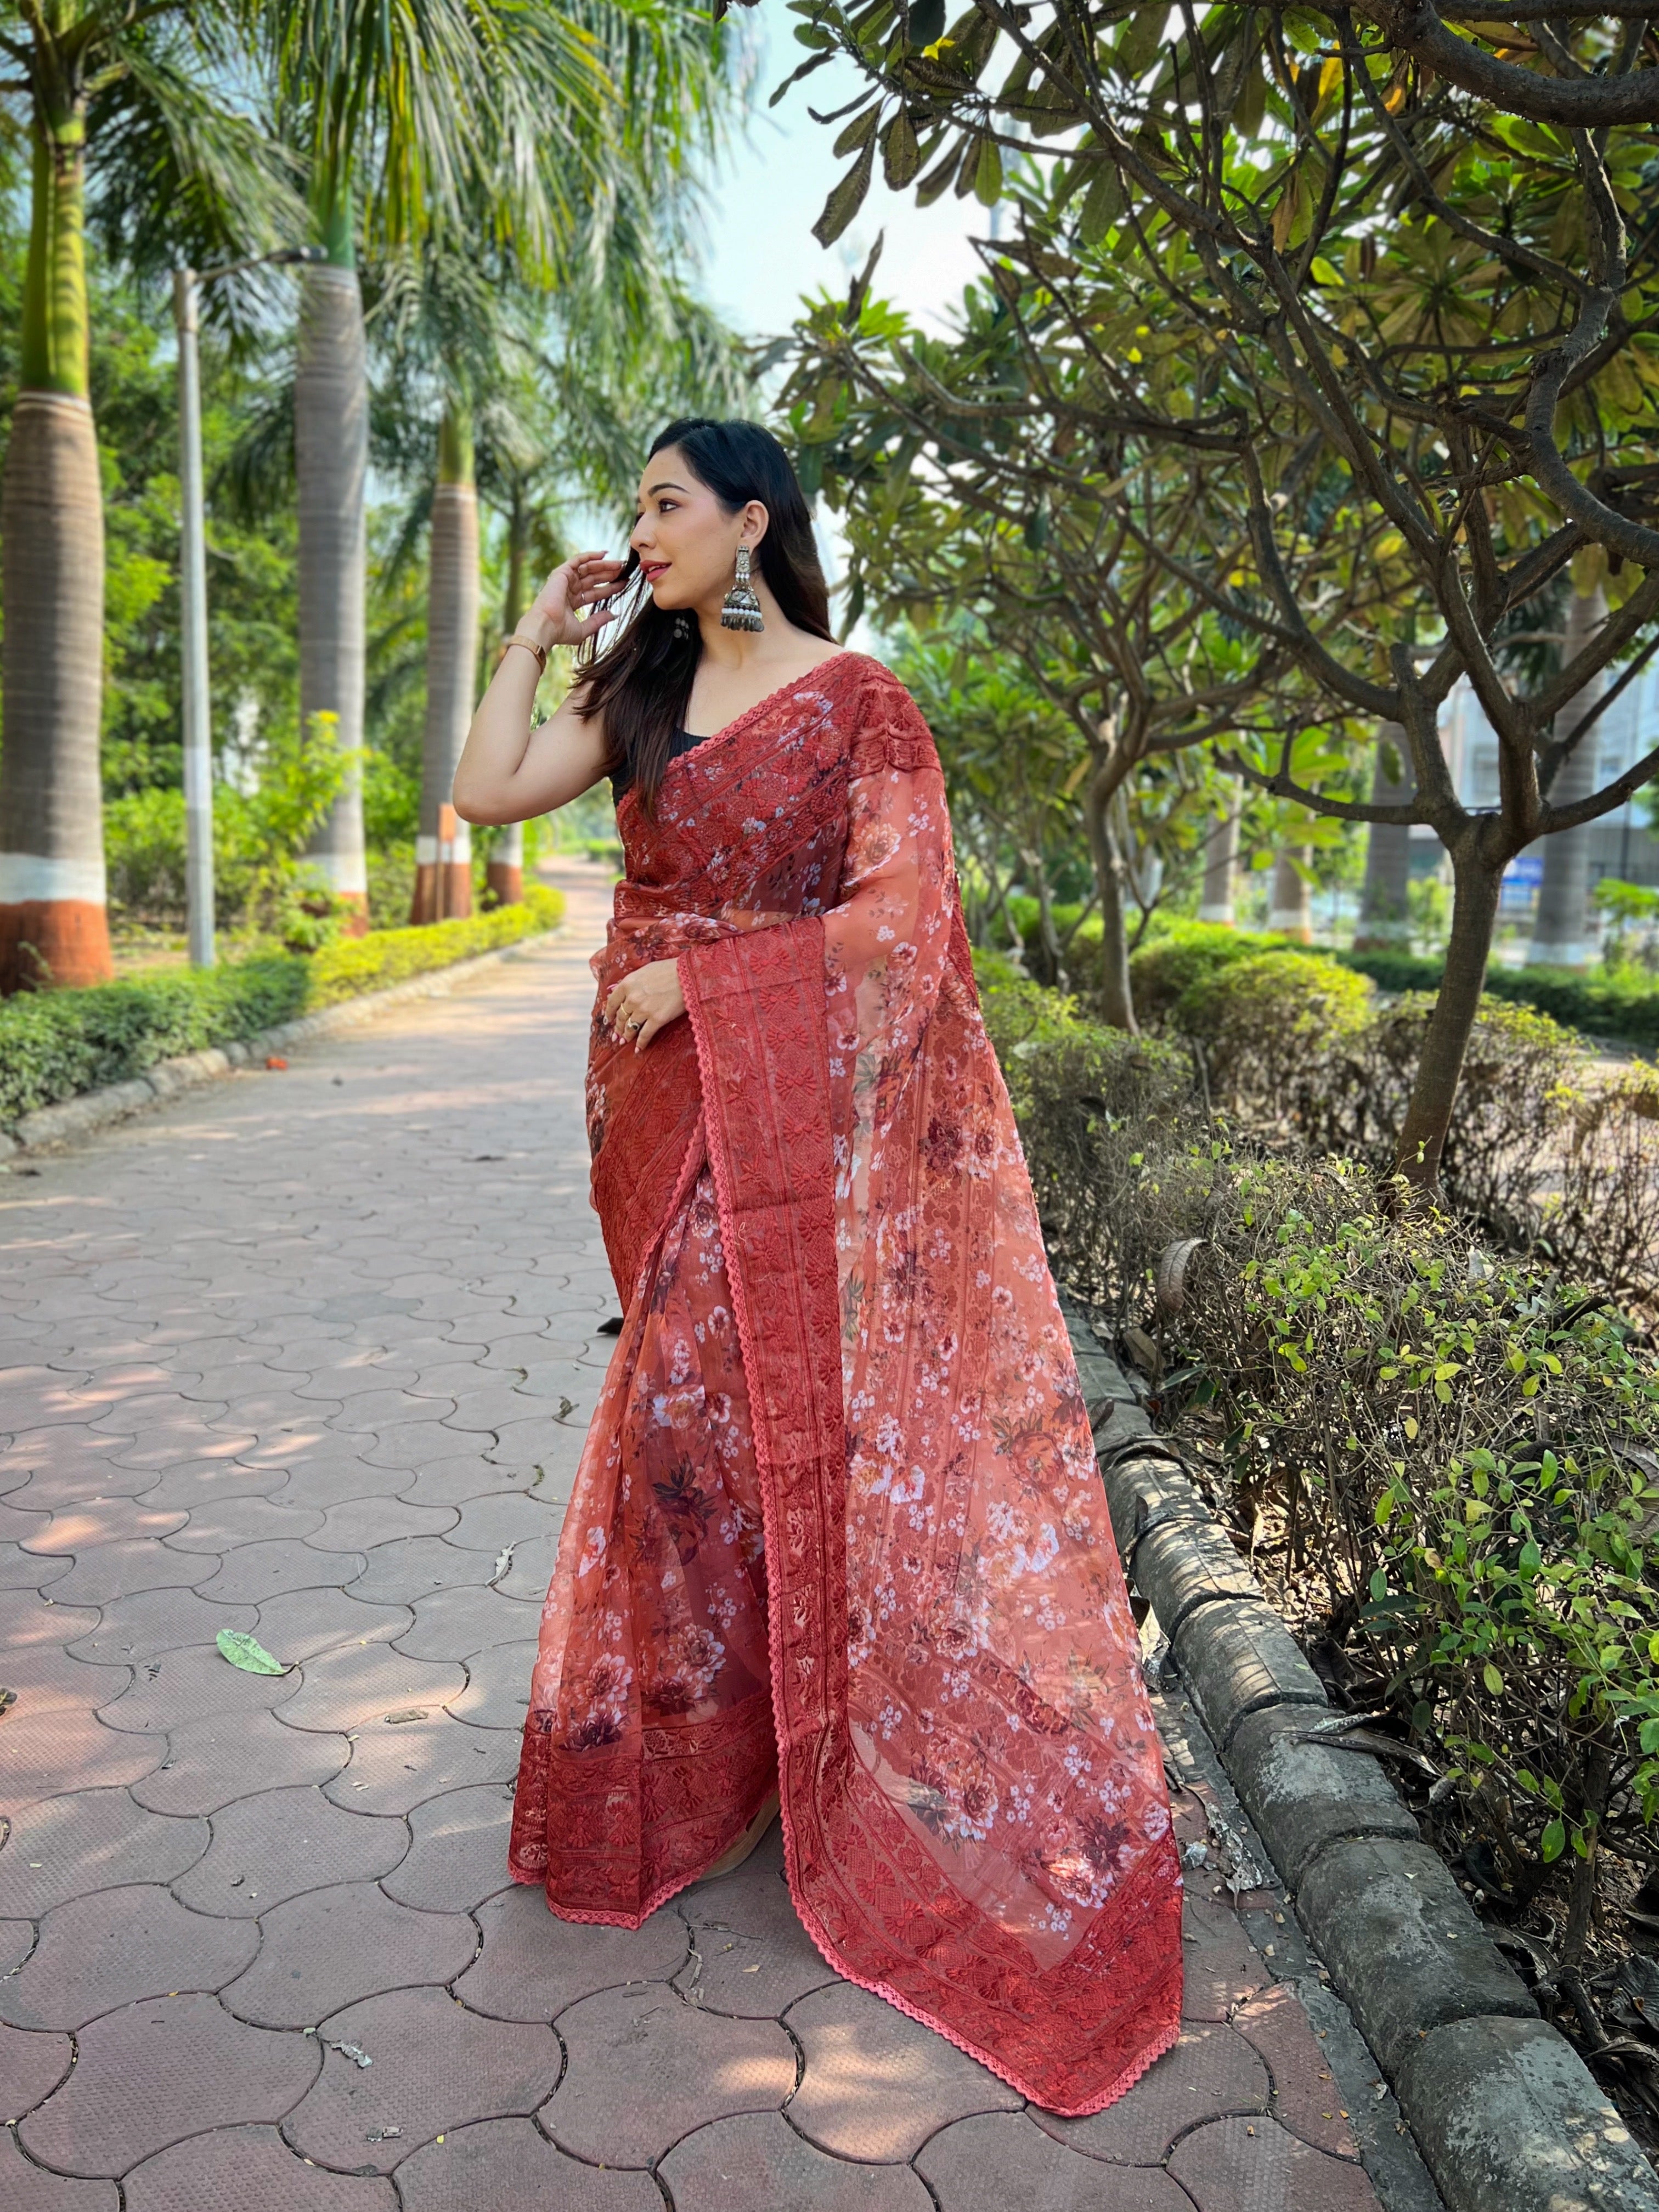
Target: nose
(642,536)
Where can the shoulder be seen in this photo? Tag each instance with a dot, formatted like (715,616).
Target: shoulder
(888,729)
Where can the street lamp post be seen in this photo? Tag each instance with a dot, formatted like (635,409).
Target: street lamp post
(192,593)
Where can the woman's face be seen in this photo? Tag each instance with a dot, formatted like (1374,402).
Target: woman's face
(686,541)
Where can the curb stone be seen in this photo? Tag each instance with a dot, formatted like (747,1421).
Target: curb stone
(95,1110)
(1507,2116)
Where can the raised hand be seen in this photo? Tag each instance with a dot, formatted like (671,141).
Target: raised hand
(571,605)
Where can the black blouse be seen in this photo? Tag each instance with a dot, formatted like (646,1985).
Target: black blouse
(682,741)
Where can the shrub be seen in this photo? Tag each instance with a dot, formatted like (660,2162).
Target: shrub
(1268,1026)
(54,1044)
(1622,1005)
(1162,971)
(1449,1459)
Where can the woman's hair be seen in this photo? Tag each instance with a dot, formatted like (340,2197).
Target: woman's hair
(641,671)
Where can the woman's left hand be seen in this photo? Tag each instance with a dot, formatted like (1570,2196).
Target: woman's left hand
(645,1001)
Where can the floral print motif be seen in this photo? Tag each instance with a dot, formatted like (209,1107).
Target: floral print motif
(898,1564)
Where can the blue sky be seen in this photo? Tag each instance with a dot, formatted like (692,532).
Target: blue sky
(762,255)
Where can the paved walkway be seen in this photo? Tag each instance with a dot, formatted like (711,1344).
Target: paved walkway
(311,1354)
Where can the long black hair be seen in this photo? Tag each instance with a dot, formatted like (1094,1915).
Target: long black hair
(640,671)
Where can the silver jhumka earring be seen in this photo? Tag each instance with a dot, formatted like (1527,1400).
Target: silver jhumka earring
(740,608)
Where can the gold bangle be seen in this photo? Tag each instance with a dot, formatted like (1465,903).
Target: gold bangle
(540,651)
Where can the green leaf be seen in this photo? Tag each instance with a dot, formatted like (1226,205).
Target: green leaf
(1493,1679)
(988,176)
(926,22)
(899,154)
(1101,205)
(1138,47)
(847,197)
(244,1651)
(1552,1842)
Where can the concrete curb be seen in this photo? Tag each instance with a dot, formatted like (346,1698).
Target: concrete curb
(1507,2116)
(55,1126)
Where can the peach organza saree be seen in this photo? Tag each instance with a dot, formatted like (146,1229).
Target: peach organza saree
(838,1521)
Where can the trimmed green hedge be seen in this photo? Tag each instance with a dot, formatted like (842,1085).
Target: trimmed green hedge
(1606,1006)
(56,1044)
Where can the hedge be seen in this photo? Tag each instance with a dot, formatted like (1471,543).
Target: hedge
(1606,1006)
(56,1044)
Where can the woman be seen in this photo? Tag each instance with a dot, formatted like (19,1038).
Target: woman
(837,1530)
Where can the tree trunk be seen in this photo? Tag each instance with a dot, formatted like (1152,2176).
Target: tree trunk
(1422,1139)
(54,927)
(1562,935)
(445,887)
(331,440)
(1384,907)
(1292,911)
(1117,1005)
(504,871)
(1221,865)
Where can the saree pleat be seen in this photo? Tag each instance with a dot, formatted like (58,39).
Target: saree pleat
(838,1519)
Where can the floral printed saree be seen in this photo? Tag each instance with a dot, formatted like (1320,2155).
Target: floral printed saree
(837,1525)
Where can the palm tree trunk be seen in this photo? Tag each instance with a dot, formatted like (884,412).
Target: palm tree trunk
(331,440)
(444,887)
(1562,935)
(1292,911)
(54,927)
(1384,908)
(1221,865)
(504,871)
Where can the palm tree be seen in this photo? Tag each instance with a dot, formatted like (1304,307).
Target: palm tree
(124,101)
(496,121)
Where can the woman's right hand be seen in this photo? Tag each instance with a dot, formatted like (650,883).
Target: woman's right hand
(570,605)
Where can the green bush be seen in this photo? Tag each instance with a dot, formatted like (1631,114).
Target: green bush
(1624,1004)
(1268,1027)
(1164,970)
(55,1044)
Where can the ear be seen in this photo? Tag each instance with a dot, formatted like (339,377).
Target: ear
(754,521)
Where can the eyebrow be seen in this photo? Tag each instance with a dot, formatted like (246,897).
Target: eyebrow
(668,484)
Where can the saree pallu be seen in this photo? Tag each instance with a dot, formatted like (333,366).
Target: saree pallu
(837,1523)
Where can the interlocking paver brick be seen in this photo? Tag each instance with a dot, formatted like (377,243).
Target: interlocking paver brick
(157,2071)
(530,1568)
(1000,2163)
(99,1953)
(1211,2072)
(509,2165)
(758,2159)
(878,2084)
(144,1626)
(109,1572)
(27,2187)
(454,1624)
(194,1683)
(61,1748)
(1238,2165)
(248,2170)
(210,1763)
(404,1572)
(31,2067)
(16,1941)
(700,2067)
(332,1948)
(92,1839)
(367,1685)
(206,1485)
(394,1768)
(255,1573)
(1306,2098)
(435,2066)
(750,1956)
(28,1625)
(458,1857)
(533,1964)
(1223,1969)
(228,1523)
(497,1692)
(504,1517)
(365,1523)
(28,1571)
(282,1843)
(302,1624)
(450,1478)
(83,1527)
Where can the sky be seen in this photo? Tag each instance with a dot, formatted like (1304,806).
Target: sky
(762,255)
